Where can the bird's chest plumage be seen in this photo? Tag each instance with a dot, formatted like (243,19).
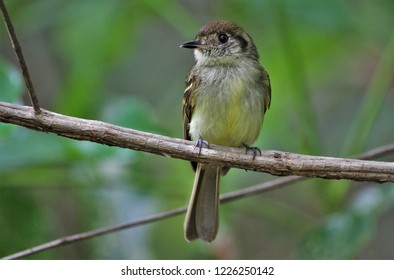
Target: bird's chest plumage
(228,107)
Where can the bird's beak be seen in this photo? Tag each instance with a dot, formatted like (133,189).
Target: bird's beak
(193,45)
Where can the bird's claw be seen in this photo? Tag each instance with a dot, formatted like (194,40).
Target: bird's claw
(255,150)
(201,143)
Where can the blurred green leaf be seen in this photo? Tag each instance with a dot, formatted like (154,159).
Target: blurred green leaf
(374,98)
(94,38)
(167,8)
(15,220)
(301,97)
(345,233)
(11,83)
(132,112)
(25,147)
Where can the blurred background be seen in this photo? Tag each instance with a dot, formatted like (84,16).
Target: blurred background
(331,65)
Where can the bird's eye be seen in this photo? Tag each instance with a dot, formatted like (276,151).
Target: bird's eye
(223,38)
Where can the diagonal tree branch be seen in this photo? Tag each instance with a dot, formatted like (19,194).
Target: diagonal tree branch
(273,162)
(18,51)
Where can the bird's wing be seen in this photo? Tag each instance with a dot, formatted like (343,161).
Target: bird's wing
(267,90)
(188,102)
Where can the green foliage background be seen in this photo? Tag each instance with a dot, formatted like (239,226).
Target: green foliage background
(331,65)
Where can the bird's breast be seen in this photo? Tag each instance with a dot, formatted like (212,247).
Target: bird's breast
(229,108)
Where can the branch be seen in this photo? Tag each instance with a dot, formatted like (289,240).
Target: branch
(273,162)
(21,59)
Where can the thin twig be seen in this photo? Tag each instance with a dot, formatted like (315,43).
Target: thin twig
(21,60)
(251,191)
(274,162)
(377,152)
(90,234)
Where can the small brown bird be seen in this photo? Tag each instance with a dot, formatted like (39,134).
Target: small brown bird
(227,93)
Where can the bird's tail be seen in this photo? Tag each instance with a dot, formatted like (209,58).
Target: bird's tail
(202,217)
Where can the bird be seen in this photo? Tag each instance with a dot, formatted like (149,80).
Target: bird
(226,95)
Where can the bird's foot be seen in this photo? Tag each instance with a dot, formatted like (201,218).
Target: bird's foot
(201,143)
(255,150)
